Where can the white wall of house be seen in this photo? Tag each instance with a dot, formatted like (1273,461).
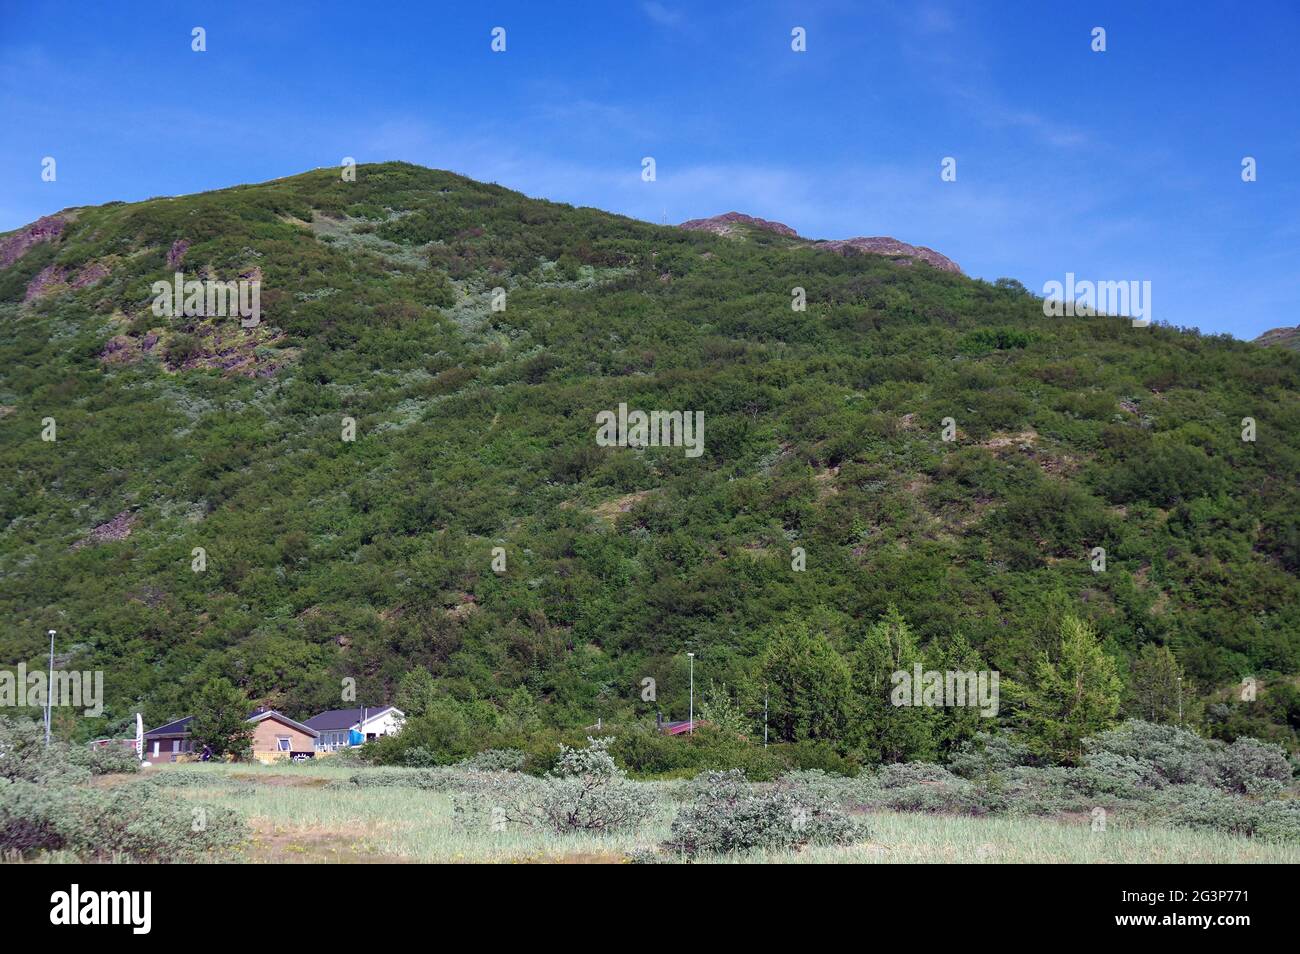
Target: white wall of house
(386,723)
(331,739)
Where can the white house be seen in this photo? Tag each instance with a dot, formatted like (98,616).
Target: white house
(336,727)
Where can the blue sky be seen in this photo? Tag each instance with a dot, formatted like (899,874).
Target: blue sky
(1117,165)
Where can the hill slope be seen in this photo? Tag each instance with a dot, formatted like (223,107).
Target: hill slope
(475,428)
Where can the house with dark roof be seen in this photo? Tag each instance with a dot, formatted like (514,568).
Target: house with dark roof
(340,728)
(275,736)
(167,742)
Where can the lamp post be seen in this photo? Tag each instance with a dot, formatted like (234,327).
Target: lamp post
(49,688)
(690,725)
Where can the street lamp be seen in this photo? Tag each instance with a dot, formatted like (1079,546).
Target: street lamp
(690,725)
(49,688)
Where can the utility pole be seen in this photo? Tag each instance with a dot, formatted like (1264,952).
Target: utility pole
(765,717)
(691,722)
(49,690)
(1180,702)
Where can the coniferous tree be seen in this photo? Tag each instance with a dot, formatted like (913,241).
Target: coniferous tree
(808,683)
(1153,688)
(883,731)
(1074,695)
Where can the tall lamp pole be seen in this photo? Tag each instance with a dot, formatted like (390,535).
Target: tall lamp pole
(690,725)
(49,689)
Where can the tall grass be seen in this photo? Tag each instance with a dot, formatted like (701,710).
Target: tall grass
(297,815)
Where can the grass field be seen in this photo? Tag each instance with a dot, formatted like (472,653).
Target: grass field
(297,816)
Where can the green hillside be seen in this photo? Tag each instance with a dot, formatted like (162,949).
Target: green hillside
(329,559)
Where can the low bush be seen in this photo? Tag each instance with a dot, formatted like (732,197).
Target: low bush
(728,815)
(24,756)
(1178,756)
(105,759)
(586,791)
(135,821)
(495,760)
(988,753)
(1251,767)
(1199,806)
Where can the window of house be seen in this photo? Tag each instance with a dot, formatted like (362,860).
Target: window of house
(283,742)
(176,746)
(156,743)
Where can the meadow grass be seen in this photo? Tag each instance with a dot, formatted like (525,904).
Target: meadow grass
(297,815)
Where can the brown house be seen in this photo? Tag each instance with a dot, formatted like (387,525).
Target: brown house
(275,736)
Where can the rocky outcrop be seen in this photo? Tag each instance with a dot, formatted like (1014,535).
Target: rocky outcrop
(1288,338)
(891,248)
(730,224)
(15,246)
(726,223)
(176,254)
(47,280)
(90,274)
(119,528)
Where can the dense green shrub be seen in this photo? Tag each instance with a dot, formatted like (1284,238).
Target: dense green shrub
(726,815)
(1251,767)
(1199,806)
(105,759)
(131,820)
(585,792)
(495,760)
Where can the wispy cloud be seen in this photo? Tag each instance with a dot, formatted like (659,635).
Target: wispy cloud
(662,15)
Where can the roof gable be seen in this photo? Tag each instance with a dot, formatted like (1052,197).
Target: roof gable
(283,719)
(348,718)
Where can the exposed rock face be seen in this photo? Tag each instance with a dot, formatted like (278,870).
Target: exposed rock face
(47,280)
(176,254)
(1281,338)
(42,230)
(90,274)
(893,248)
(725,224)
(119,528)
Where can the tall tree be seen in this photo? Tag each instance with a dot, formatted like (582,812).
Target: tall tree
(220,720)
(808,683)
(881,730)
(1073,696)
(1154,687)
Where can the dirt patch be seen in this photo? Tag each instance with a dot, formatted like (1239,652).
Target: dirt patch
(312,845)
(467,605)
(1024,440)
(610,509)
(825,481)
